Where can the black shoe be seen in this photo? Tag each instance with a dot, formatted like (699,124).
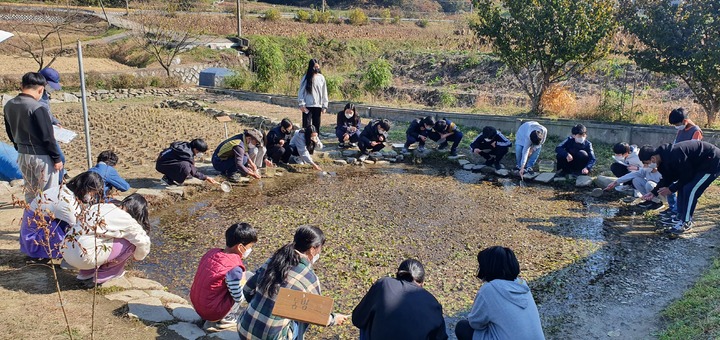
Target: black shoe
(443,146)
(650,205)
(498,166)
(168,181)
(453,152)
(489,162)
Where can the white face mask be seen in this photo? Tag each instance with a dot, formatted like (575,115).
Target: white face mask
(315,139)
(246,253)
(315,258)
(349,115)
(680,127)
(620,159)
(580,140)
(652,166)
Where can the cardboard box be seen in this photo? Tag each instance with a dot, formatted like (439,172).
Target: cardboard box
(301,306)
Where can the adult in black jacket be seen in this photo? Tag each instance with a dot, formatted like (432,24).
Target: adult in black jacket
(492,145)
(374,136)
(278,142)
(417,132)
(399,308)
(687,167)
(177,163)
(347,129)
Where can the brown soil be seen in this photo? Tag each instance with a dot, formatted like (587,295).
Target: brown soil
(16,65)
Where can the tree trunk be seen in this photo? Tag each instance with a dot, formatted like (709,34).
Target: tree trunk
(711,110)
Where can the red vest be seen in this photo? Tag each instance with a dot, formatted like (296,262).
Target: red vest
(209,292)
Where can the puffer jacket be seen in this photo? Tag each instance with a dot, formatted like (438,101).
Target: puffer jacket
(209,293)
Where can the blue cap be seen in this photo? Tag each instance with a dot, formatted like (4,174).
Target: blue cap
(52,76)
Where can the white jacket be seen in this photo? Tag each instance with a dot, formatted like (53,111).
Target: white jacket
(319,95)
(298,141)
(58,202)
(80,246)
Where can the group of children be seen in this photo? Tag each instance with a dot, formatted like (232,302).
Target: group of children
(227,296)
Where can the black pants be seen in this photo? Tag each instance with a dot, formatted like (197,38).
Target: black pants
(278,153)
(463,331)
(618,169)
(312,117)
(364,147)
(177,173)
(579,162)
(496,154)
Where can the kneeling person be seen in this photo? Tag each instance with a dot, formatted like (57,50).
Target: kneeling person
(417,132)
(492,145)
(575,155)
(217,287)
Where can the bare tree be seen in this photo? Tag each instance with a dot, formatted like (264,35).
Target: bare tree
(45,40)
(163,35)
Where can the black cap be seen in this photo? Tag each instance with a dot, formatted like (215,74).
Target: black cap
(677,116)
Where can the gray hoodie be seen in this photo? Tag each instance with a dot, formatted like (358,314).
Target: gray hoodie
(505,310)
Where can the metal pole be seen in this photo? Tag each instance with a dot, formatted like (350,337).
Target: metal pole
(239,19)
(83,98)
(226,131)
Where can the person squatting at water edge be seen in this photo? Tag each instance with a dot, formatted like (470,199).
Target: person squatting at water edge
(348,127)
(177,163)
(492,145)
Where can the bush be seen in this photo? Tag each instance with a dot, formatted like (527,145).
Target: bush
(303,16)
(269,63)
(272,14)
(357,17)
(385,15)
(558,99)
(321,17)
(447,99)
(378,75)
(396,20)
(334,84)
(241,79)
(9,84)
(422,23)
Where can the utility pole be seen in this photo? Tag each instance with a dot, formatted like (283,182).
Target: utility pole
(324,4)
(239,19)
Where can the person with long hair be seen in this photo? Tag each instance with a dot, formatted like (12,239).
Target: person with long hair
(347,129)
(400,308)
(504,307)
(290,267)
(50,215)
(106,237)
(312,96)
(304,143)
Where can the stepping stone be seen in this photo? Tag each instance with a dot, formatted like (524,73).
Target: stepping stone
(391,160)
(120,282)
(184,312)
(127,295)
(597,192)
(529,177)
(351,160)
(145,284)
(487,169)
(335,154)
(340,162)
(468,166)
(398,145)
(583,181)
(603,181)
(226,335)
(399,158)
(502,172)
(462,162)
(477,167)
(187,330)
(382,162)
(166,297)
(349,153)
(559,179)
(545,177)
(455,157)
(150,192)
(148,309)
(367,161)
(390,153)
(376,155)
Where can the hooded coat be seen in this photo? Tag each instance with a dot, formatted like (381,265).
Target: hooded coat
(176,160)
(505,309)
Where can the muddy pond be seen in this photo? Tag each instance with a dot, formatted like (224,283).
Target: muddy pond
(374,218)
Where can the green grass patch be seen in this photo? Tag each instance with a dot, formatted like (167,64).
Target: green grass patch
(697,314)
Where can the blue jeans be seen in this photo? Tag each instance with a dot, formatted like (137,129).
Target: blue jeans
(672,202)
(531,159)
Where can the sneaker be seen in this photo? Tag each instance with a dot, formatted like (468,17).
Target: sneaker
(234,178)
(687,225)
(341,145)
(668,218)
(453,153)
(671,222)
(226,324)
(677,230)
(405,151)
(529,172)
(667,213)
(650,205)
(362,158)
(421,148)
(83,277)
(168,181)
(443,146)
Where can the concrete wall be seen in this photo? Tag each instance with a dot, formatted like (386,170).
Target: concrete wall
(599,131)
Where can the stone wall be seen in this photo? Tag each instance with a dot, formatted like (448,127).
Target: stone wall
(599,131)
(74,97)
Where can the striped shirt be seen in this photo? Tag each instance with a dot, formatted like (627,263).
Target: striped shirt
(257,322)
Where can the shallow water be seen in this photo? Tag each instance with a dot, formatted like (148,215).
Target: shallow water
(376,217)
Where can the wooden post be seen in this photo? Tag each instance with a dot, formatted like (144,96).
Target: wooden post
(225,120)
(238,13)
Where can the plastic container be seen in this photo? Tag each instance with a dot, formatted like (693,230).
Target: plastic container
(546,166)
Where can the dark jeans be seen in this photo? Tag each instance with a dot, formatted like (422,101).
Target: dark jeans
(618,169)
(364,147)
(689,194)
(277,153)
(579,162)
(177,173)
(354,137)
(496,154)
(229,166)
(463,331)
(412,140)
(312,117)
(456,137)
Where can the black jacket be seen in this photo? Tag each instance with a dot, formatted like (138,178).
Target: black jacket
(275,135)
(28,126)
(177,153)
(499,139)
(370,133)
(397,309)
(414,130)
(682,161)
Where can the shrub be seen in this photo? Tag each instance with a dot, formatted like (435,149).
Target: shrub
(378,75)
(269,63)
(321,17)
(558,99)
(9,84)
(241,79)
(272,14)
(447,99)
(385,15)
(334,84)
(357,17)
(396,20)
(422,23)
(303,16)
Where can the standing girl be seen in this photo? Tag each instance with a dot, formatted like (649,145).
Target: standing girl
(312,96)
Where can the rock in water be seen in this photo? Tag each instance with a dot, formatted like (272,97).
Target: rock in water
(340,162)
(502,172)
(583,181)
(603,181)
(545,177)
(468,166)
(462,162)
